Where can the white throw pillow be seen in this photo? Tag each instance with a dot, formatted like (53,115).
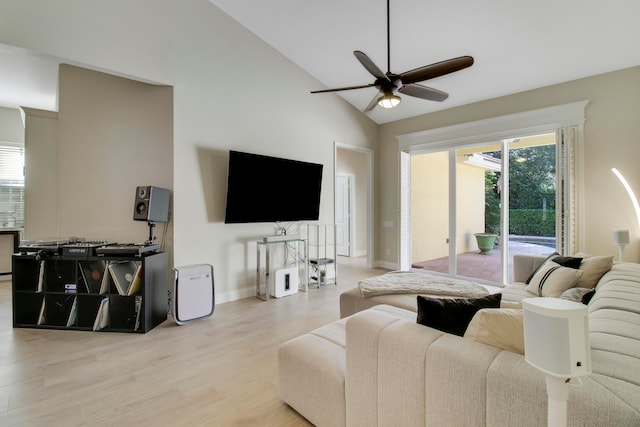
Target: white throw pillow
(499,327)
(552,279)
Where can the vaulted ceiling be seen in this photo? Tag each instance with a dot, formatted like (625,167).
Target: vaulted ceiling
(516,45)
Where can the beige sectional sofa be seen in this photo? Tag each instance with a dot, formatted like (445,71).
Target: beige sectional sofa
(378,367)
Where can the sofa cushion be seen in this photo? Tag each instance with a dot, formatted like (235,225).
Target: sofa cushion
(502,328)
(593,268)
(452,315)
(551,280)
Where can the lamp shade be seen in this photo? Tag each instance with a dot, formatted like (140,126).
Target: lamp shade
(621,237)
(389,100)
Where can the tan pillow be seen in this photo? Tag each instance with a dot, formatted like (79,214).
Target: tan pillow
(552,279)
(593,268)
(499,327)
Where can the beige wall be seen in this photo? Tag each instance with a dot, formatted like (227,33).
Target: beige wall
(430,205)
(231,91)
(354,163)
(470,204)
(610,140)
(114,134)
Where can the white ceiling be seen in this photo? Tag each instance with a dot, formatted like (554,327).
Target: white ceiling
(516,45)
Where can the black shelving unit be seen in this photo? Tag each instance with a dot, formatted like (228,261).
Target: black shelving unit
(47,290)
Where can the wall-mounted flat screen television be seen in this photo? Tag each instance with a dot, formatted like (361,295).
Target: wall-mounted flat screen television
(271,189)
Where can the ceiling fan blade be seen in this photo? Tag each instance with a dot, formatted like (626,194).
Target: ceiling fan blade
(372,104)
(423,92)
(342,88)
(369,65)
(436,70)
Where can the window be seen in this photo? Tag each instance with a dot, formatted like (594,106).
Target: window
(11,185)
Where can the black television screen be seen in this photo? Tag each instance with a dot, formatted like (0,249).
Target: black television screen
(271,189)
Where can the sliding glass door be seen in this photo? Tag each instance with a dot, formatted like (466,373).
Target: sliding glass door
(473,207)
(478,233)
(532,196)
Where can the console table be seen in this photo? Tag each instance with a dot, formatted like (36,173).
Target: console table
(262,279)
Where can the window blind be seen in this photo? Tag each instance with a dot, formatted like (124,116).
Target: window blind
(11,185)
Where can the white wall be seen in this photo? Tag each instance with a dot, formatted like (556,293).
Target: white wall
(611,140)
(231,91)
(11,126)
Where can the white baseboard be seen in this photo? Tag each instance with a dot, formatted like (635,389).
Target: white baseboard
(360,253)
(386,264)
(234,295)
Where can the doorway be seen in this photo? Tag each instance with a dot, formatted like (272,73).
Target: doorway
(353,204)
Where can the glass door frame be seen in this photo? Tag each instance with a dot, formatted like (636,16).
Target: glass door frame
(560,119)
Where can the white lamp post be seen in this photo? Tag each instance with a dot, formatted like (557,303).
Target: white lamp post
(556,341)
(621,238)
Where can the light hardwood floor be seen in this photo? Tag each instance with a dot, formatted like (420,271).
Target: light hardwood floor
(221,371)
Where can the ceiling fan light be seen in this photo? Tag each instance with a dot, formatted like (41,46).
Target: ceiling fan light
(388,100)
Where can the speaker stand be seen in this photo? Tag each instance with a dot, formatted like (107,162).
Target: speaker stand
(557,396)
(151,236)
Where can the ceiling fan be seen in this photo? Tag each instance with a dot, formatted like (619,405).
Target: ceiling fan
(405,83)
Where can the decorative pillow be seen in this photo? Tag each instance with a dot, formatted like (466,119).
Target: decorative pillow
(452,315)
(565,261)
(594,267)
(552,279)
(555,254)
(575,294)
(502,328)
(586,298)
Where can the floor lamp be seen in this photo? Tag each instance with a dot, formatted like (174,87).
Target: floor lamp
(556,341)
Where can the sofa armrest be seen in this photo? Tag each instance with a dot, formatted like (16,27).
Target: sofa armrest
(524,265)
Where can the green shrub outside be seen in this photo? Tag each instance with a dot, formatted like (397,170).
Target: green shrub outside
(532,222)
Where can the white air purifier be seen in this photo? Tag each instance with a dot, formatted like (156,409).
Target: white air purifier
(285,282)
(193,293)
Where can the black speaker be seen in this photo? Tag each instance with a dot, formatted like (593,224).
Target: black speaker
(152,204)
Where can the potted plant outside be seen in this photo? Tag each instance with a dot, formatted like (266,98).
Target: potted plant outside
(485,241)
